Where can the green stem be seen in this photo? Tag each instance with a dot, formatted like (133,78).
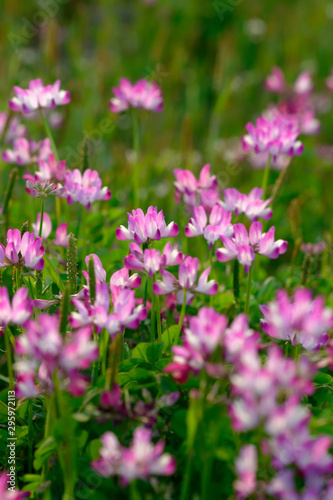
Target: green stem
(185,490)
(158,317)
(49,135)
(181,319)
(30,441)
(9,360)
(248,291)
(136,147)
(133,491)
(265,176)
(41,216)
(153,312)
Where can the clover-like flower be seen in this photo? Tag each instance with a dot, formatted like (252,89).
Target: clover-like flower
(38,96)
(142,94)
(85,188)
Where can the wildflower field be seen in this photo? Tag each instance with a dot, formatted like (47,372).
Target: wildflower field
(166,253)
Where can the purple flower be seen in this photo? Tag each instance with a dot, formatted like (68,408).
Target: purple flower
(37,97)
(246,466)
(313,248)
(9,492)
(149,260)
(201,339)
(100,273)
(125,313)
(25,152)
(142,94)
(276,82)
(15,129)
(61,236)
(85,188)
(276,136)
(49,170)
(121,279)
(143,228)
(17,312)
(44,189)
(219,224)
(88,313)
(244,246)
(196,192)
(26,252)
(140,461)
(187,276)
(251,205)
(300,319)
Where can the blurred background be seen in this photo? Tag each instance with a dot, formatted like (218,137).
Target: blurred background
(210,59)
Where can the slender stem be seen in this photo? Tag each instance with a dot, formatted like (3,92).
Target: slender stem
(153,312)
(146,292)
(136,147)
(181,319)
(58,210)
(185,490)
(49,135)
(133,491)
(9,359)
(30,440)
(158,318)
(248,291)
(265,176)
(41,217)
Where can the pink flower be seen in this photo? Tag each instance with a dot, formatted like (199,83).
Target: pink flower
(37,97)
(244,246)
(125,313)
(17,312)
(80,352)
(300,319)
(219,224)
(121,279)
(143,228)
(46,228)
(85,188)
(140,461)
(251,205)
(246,466)
(61,236)
(44,189)
(25,152)
(15,129)
(196,192)
(151,260)
(201,339)
(26,252)
(49,170)
(313,248)
(187,276)
(100,273)
(142,94)
(13,493)
(275,82)
(276,136)
(88,313)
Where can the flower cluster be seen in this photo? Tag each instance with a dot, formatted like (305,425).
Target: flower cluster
(141,460)
(38,96)
(18,311)
(26,251)
(219,224)
(43,355)
(26,151)
(243,245)
(142,94)
(203,191)
(251,205)
(300,320)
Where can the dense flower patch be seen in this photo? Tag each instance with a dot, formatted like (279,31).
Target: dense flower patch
(140,372)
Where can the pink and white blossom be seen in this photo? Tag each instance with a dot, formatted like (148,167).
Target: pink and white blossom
(17,311)
(251,205)
(85,188)
(144,227)
(25,151)
(203,191)
(219,224)
(142,94)
(38,96)
(26,251)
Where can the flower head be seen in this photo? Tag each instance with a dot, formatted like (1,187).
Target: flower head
(25,152)
(300,319)
(140,461)
(142,94)
(26,251)
(38,96)
(203,191)
(187,277)
(219,224)
(15,129)
(251,205)
(243,245)
(85,188)
(18,311)
(144,227)
(275,136)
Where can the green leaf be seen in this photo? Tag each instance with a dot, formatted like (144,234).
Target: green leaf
(323,379)
(53,273)
(143,377)
(45,449)
(148,351)
(169,337)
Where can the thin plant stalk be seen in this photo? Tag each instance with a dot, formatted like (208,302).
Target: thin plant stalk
(248,291)
(136,148)
(9,359)
(265,176)
(49,135)
(41,216)
(158,318)
(30,441)
(181,319)
(153,312)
